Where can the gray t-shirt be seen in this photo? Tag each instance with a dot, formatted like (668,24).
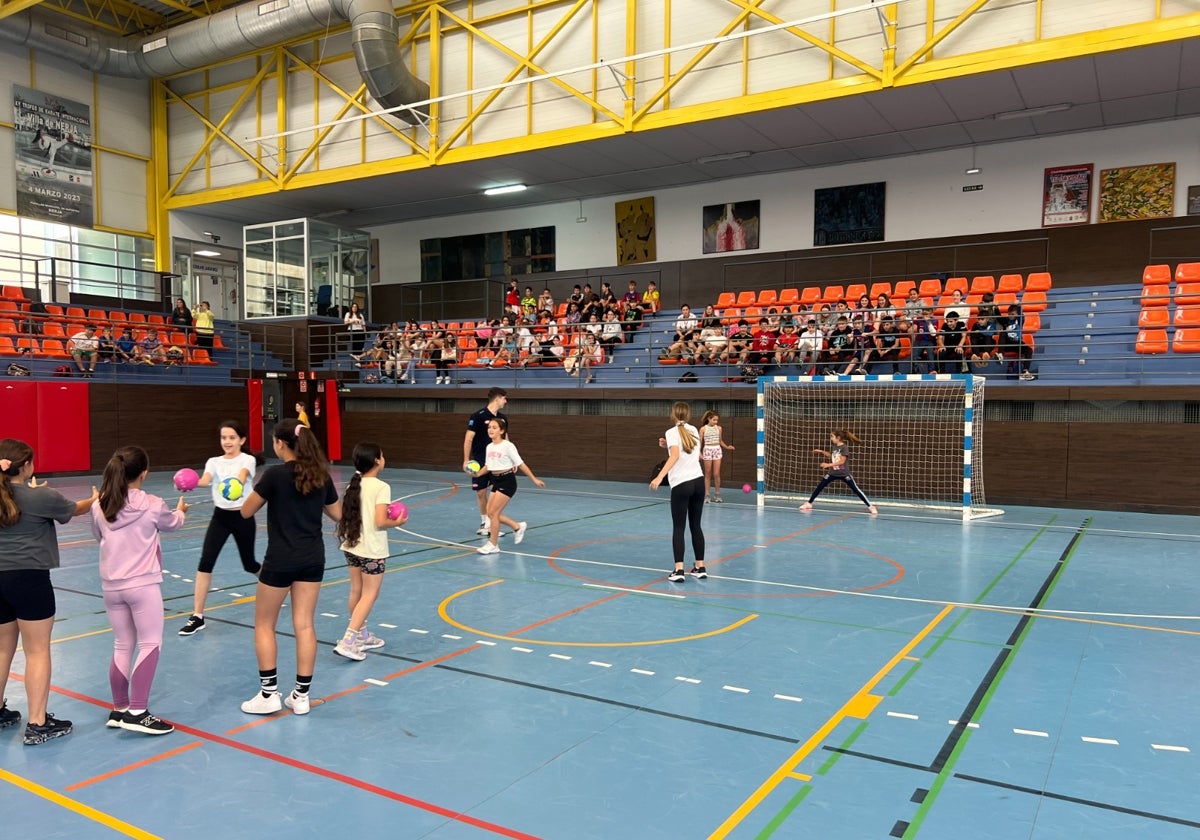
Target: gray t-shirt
(32,543)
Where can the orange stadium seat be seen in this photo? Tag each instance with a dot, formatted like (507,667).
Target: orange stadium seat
(76,312)
(7,348)
(1011,283)
(9,306)
(854,291)
(878,289)
(768,297)
(200,357)
(1151,342)
(810,296)
(1038,281)
(54,310)
(15,293)
(900,290)
(1153,318)
(746,298)
(157,320)
(789,297)
(53,329)
(1186,316)
(1033,301)
(983,284)
(28,345)
(959,283)
(1033,323)
(8,326)
(930,289)
(1187,293)
(1156,275)
(1187,340)
(726,299)
(97,315)
(137,317)
(55,349)
(833,294)
(1187,272)
(1156,295)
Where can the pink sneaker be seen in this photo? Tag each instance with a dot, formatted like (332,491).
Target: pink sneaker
(806,507)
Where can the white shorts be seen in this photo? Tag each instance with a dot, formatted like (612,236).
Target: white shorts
(710,453)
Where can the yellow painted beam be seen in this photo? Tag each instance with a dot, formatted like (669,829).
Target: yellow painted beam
(946,32)
(158,176)
(11,7)
(809,38)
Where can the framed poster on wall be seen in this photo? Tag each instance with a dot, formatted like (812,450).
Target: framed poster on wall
(1067,195)
(730,227)
(635,231)
(848,215)
(1193,205)
(1137,192)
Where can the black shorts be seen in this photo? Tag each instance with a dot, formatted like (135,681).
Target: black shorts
(26,594)
(368,565)
(506,484)
(283,578)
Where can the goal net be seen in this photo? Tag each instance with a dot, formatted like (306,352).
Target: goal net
(922,439)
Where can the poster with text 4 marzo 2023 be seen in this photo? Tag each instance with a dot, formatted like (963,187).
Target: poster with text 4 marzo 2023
(53,138)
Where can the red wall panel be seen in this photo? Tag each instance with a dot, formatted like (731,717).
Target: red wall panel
(64,426)
(333,421)
(18,413)
(254,429)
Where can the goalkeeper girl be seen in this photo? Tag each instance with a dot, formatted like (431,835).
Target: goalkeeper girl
(837,468)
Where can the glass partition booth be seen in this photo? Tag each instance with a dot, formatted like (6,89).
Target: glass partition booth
(305,267)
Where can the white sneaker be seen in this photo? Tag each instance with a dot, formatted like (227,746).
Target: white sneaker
(1027,376)
(297,702)
(349,647)
(519,534)
(488,548)
(874,511)
(806,507)
(259,705)
(368,640)
(483,530)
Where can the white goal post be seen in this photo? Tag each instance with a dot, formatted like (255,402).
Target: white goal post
(922,439)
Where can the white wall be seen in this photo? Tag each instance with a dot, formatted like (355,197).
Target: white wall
(924,198)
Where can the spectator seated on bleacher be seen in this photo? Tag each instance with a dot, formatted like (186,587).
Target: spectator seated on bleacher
(839,350)
(924,340)
(1012,347)
(587,355)
(546,302)
(125,345)
(713,344)
(631,321)
(106,348)
(631,300)
(741,342)
(149,350)
(83,347)
(687,331)
(787,344)
(809,345)
(651,302)
(862,343)
(982,334)
(952,344)
(611,333)
(762,348)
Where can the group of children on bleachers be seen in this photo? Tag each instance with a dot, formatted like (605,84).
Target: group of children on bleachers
(582,332)
(870,337)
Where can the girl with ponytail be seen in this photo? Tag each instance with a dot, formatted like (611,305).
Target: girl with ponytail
(362,531)
(685,476)
(127,521)
(28,551)
(296,493)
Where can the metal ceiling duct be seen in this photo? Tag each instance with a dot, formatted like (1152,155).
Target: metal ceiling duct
(241,29)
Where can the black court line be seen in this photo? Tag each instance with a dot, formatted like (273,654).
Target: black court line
(985,685)
(895,762)
(379,654)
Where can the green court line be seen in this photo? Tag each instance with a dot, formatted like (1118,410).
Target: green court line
(834,756)
(785,812)
(900,682)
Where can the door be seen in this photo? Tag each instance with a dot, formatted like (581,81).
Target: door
(272,410)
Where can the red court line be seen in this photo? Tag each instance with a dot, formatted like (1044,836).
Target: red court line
(350,781)
(137,764)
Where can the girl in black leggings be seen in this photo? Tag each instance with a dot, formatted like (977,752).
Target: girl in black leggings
(837,468)
(683,473)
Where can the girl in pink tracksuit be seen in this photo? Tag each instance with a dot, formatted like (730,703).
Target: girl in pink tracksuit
(126,520)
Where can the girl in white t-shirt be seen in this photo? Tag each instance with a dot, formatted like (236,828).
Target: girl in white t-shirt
(686,478)
(365,544)
(233,462)
(502,463)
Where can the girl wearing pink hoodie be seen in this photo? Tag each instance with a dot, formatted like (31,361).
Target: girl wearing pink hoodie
(126,520)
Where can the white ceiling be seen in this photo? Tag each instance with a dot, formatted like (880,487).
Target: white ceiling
(1148,84)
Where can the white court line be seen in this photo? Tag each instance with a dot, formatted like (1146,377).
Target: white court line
(688,680)
(485,642)
(634,591)
(904,715)
(559,656)
(640,671)
(600,664)
(374,682)
(1037,733)
(968,725)
(444,635)
(789,698)
(388,626)
(239,595)
(522,650)
(1170,748)
(418,631)
(734,688)
(1089,740)
(330,615)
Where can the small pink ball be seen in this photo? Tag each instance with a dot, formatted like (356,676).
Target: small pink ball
(746,488)
(397,510)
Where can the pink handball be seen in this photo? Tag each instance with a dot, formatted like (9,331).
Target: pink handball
(186,479)
(746,488)
(397,511)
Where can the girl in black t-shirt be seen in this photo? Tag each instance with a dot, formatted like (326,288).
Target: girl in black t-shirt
(837,468)
(296,493)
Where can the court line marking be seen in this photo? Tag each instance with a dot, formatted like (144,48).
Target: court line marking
(443,611)
(859,705)
(1037,733)
(1170,748)
(87,811)
(135,766)
(1087,739)
(636,591)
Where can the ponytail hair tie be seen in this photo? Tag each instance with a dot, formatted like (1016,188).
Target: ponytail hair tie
(5,464)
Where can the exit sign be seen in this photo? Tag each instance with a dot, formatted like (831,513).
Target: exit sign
(973,188)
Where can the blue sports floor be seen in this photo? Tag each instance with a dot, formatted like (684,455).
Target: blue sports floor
(837,676)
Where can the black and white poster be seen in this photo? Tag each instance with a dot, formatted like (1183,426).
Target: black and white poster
(53,157)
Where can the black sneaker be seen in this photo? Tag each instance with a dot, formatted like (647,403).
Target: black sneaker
(196,622)
(676,576)
(52,728)
(699,572)
(8,717)
(114,719)
(145,723)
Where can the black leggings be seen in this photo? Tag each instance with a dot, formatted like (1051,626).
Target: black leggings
(225,523)
(687,504)
(848,480)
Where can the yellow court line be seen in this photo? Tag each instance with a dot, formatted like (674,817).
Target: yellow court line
(860,705)
(524,640)
(78,807)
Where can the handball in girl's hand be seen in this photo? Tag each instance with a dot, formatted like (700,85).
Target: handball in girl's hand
(473,467)
(231,489)
(397,511)
(186,480)
(746,488)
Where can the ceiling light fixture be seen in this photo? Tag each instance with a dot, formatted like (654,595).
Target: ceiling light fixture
(1033,112)
(974,168)
(723,157)
(511,188)
(206,253)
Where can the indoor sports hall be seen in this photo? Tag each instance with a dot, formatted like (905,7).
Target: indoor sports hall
(836,675)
